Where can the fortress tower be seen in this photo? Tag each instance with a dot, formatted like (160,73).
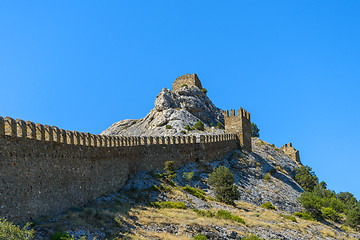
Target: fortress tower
(292,152)
(188,79)
(240,125)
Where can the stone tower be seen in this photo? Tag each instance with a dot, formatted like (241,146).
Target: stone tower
(291,152)
(188,79)
(240,125)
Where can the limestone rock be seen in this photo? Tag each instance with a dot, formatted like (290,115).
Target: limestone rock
(173,111)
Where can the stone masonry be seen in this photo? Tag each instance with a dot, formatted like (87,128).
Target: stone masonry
(291,152)
(46,170)
(188,79)
(240,125)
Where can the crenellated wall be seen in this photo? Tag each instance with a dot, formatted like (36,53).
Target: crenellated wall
(291,152)
(240,125)
(44,169)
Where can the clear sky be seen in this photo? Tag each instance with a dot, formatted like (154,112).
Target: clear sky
(294,65)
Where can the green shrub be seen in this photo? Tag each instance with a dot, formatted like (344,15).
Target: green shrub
(268,205)
(197,192)
(311,203)
(168,204)
(251,237)
(169,170)
(222,180)
(200,237)
(204,213)
(204,90)
(62,236)
(306,178)
(292,218)
(353,217)
(199,126)
(223,214)
(184,85)
(9,231)
(211,124)
(219,125)
(183,132)
(267,177)
(187,128)
(188,176)
(168,127)
(254,130)
(304,215)
(329,213)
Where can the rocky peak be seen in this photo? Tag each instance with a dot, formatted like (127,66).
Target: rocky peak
(173,111)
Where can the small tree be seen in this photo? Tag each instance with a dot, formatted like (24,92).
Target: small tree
(306,178)
(199,126)
(222,180)
(254,130)
(170,170)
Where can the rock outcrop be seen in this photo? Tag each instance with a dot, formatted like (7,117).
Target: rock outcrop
(173,111)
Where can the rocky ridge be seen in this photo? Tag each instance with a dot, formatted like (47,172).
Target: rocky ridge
(173,111)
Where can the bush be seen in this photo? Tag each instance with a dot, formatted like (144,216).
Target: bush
(306,178)
(254,130)
(204,213)
(292,218)
(168,127)
(219,125)
(183,132)
(169,170)
(267,177)
(9,231)
(195,191)
(188,176)
(63,236)
(311,203)
(268,205)
(200,237)
(222,180)
(329,213)
(187,128)
(168,204)
(184,85)
(222,214)
(304,215)
(353,217)
(199,126)
(204,90)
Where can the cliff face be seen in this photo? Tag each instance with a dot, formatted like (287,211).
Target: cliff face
(173,111)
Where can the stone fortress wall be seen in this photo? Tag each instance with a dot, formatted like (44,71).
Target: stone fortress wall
(240,125)
(188,79)
(291,152)
(44,169)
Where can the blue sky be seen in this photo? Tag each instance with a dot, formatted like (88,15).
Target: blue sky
(294,65)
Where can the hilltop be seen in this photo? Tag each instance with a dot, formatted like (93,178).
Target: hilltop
(184,106)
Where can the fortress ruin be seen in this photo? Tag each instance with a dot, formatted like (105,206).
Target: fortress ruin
(44,169)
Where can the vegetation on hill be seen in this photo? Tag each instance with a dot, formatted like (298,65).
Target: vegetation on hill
(322,203)
(222,180)
(255,130)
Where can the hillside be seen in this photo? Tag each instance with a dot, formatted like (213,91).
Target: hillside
(129,213)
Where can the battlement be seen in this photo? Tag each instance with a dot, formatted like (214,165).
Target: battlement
(44,133)
(188,79)
(240,113)
(238,122)
(291,152)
